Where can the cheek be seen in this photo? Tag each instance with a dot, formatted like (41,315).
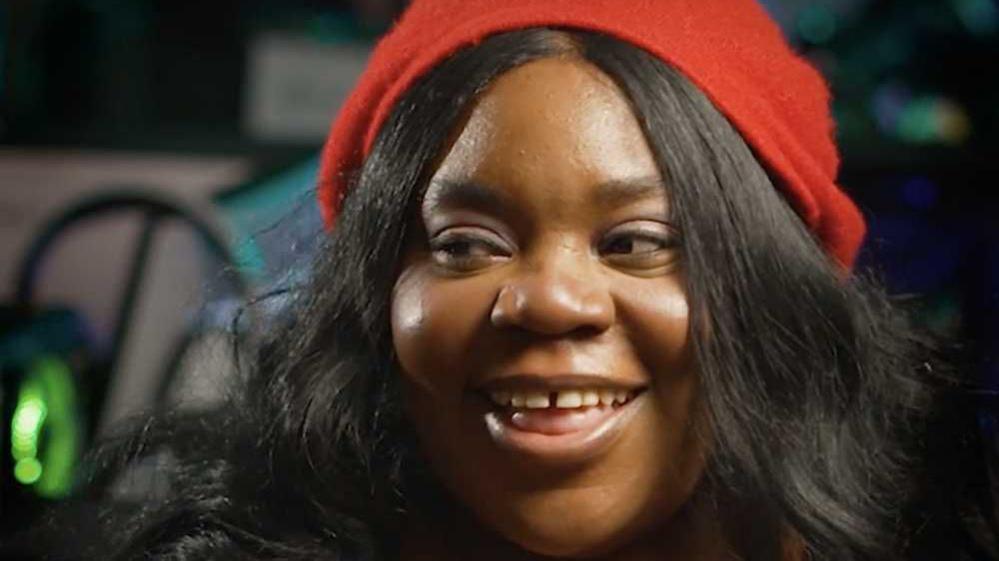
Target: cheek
(658,323)
(433,325)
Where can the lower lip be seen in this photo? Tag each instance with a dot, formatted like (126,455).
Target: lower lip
(560,436)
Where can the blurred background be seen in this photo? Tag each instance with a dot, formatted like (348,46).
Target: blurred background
(157,162)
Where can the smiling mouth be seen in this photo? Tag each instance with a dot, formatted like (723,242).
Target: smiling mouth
(559,427)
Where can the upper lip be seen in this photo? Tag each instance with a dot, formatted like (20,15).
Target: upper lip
(556,382)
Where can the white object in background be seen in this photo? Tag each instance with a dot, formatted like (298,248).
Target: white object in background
(295,84)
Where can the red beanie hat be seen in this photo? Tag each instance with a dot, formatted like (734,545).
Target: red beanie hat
(730,49)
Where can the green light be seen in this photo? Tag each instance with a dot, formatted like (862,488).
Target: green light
(918,122)
(28,471)
(63,431)
(934,120)
(46,405)
(816,24)
(26,425)
(28,417)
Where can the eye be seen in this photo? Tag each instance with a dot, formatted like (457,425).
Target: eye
(644,244)
(467,249)
(632,244)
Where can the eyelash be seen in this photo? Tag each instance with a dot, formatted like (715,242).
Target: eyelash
(667,241)
(445,249)
(447,245)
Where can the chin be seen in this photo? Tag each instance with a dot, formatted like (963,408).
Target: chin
(565,547)
(561,529)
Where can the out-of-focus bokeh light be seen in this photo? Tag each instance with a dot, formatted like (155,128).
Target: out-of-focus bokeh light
(924,119)
(933,120)
(26,428)
(28,470)
(817,24)
(980,17)
(44,432)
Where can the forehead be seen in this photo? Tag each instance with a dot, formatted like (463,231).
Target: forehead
(551,130)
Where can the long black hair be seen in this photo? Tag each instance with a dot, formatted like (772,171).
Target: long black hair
(820,395)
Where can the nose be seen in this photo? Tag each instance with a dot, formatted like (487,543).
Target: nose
(558,296)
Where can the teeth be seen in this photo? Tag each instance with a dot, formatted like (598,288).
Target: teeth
(501,398)
(566,399)
(569,399)
(537,400)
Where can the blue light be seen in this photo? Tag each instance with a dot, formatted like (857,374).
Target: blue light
(888,104)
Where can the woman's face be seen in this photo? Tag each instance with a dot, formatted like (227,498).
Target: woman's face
(541,322)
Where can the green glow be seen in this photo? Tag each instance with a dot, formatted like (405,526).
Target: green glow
(934,120)
(26,425)
(28,470)
(23,446)
(45,410)
(29,416)
(816,24)
(917,123)
(64,437)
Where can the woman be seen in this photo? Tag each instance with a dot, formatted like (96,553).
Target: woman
(572,305)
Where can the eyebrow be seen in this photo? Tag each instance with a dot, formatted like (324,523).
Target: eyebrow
(448,193)
(467,194)
(620,191)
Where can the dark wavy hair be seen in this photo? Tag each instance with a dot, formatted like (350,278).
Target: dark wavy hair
(823,401)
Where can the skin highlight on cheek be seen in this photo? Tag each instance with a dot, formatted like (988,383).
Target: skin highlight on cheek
(674,307)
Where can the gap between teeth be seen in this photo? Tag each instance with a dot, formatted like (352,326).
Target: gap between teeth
(566,399)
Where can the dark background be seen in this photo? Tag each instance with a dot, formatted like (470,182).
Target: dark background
(916,97)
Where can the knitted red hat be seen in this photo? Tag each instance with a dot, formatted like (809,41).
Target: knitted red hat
(730,49)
